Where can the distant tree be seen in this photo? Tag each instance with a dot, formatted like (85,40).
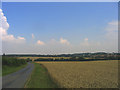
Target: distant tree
(80,58)
(3,54)
(73,58)
(77,58)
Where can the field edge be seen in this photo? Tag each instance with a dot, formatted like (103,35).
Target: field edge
(27,84)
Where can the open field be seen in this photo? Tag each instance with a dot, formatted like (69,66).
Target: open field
(93,74)
(33,58)
(40,78)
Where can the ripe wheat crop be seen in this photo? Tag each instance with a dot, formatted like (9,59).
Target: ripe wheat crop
(92,74)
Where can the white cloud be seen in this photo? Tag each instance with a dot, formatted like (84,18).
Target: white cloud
(4,28)
(89,46)
(64,41)
(86,39)
(40,42)
(110,38)
(21,38)
(112,30)
(112,26)
(58,46)
(85,42)
(3,19)
(33,36)
(113,23)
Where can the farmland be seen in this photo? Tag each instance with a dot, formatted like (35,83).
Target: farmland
(93,74)
(34,58)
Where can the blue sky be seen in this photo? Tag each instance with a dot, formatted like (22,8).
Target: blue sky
(74,23)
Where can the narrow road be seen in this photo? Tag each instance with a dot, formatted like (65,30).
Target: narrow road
(17,79)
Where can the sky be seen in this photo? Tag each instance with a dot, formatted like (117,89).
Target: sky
(60,0)
(57,28)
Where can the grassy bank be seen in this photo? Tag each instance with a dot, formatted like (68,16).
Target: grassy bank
(12,64)
(40,78)
(10,69)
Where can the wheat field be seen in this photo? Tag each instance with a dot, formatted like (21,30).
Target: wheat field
(91,74)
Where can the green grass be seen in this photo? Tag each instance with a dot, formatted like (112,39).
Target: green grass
(40,78)
(10,69)
(12,64)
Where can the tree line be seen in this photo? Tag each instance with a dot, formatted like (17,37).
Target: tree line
(12,61)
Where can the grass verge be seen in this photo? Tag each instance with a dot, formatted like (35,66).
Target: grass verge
(40,78)
(10,69)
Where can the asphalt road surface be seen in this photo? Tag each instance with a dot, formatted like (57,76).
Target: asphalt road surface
(17,79)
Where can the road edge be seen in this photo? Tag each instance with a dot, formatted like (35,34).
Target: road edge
(28,80)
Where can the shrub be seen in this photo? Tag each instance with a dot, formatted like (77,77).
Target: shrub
(12,61)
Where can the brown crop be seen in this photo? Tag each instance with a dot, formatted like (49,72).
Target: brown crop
(91,74)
